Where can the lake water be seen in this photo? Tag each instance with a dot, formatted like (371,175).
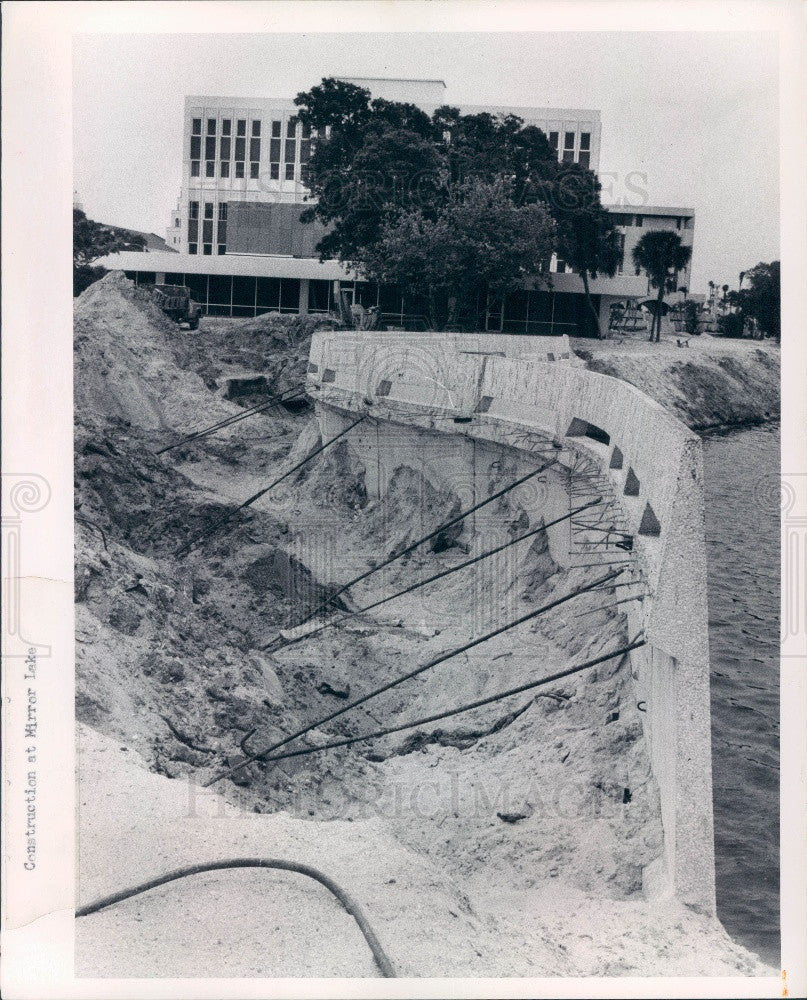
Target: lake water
(742,536)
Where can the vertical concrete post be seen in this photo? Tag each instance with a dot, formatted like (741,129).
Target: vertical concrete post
(303,300)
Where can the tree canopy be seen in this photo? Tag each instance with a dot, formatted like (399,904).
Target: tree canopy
(91,240)
(484,194)
(662,255)
(478,240)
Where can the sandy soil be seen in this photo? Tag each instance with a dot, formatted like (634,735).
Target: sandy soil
(506,841)
(277,924)
(713,382)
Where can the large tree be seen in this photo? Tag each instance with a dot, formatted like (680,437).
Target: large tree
(480,240)
(763,298)
(587,238)
(381,169)
(662,255)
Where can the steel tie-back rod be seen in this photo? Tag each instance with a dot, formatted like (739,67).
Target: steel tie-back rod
(255,496)
(605,607)
(432,534)
(636,644)
(422,583)
(233,419)
(414,673)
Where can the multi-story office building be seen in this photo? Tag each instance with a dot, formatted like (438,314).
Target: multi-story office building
(242,249)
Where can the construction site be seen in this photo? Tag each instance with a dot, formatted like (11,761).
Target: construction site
(346,603)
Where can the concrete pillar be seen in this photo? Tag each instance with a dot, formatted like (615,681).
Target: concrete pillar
(303,301)
(160,278)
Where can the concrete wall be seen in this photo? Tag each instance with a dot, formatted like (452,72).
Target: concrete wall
(651,469)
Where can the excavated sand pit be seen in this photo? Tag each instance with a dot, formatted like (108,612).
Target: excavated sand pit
(469,830)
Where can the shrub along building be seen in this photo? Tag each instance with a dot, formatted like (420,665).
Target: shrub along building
(237,241)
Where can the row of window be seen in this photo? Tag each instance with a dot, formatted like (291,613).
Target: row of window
(293,153)
(209,237)
(620,219)
(534,312)
(567,153)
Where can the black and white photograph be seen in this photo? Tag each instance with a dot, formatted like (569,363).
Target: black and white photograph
(437,569)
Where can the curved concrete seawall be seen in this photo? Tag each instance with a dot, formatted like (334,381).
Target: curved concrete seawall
(449,403)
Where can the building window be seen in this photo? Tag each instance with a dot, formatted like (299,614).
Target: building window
(194,168)
(274,171)
(240,149)
(254,169)
(191,248)
(274,150)
(305,153)
(196,147)
(639,221)
(193,229)
(621,220)
(254,150)
(553,140)
(196,126)
(222,248)
(226,125)
(241,128)
(193,209)
(239,168)
(208,249)
(678,222)
(208,209)
(256,128)
(211,126)
(222,211)
(560,266)
(210,168)
(584,159)
(176,221)
(289,171)
(224,148)
(568,147)
(275,130)
(291,128)
(225,169)
(207,231)
(210,147)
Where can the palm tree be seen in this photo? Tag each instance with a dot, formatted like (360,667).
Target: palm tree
(662,255)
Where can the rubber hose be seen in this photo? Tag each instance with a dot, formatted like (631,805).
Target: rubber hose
(352,907)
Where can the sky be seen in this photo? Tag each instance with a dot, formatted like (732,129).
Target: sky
(688,119)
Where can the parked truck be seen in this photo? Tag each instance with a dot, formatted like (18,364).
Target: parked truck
(176,302)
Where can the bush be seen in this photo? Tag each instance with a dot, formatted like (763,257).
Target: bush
(691,316)
(730,325)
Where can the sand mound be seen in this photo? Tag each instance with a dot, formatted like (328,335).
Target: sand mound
(125,365)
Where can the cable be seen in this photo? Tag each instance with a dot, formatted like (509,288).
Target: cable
(233,419)
(412,673)
(255,496)
(352,907)
(463,708)
(458,517)
(431,579)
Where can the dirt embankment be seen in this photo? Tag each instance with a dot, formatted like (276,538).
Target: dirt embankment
(712,383)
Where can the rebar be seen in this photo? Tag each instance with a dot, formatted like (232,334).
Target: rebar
(413,673)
